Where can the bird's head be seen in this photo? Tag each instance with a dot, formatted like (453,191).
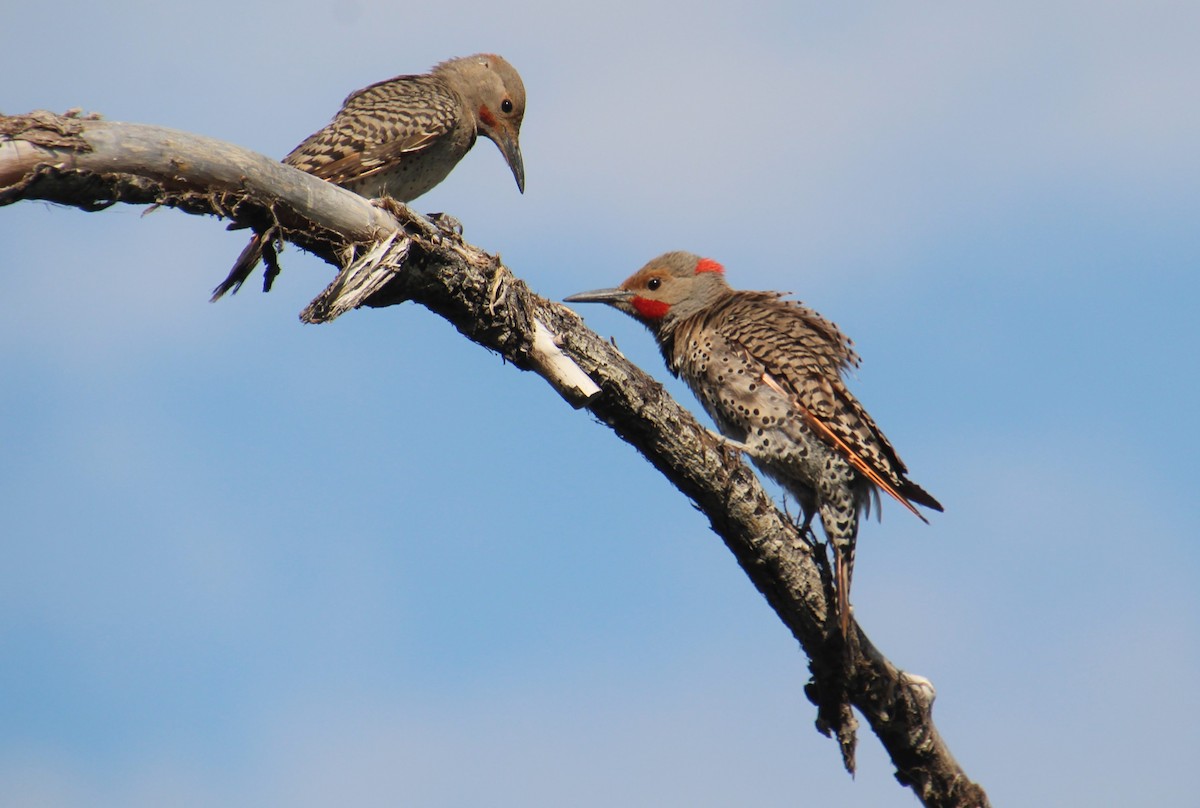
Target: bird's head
(493,90)
(670,288)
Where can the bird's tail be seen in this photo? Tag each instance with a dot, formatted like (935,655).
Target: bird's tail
(242,268)
(919,495)
(844,569)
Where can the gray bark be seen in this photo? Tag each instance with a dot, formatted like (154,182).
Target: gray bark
(386,254)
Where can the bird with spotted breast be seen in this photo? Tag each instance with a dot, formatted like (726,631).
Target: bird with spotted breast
(770,373)
(401,137)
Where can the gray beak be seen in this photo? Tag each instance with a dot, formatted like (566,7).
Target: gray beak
(511,149)
(610,296)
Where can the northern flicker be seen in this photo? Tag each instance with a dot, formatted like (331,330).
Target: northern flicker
(769,372)
(402,136)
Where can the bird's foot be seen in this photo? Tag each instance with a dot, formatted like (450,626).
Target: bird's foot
(446,223)
(389,205)
(737,446)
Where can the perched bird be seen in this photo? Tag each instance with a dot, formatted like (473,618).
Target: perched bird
(403,136)
(769,372)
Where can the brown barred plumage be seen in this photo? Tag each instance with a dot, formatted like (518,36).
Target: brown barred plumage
(403,136)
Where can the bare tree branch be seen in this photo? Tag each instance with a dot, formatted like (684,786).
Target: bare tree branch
(387,254)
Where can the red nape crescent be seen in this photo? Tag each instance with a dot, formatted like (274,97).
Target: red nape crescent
(650,309)
(708,265)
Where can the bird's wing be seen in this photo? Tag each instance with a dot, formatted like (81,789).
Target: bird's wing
(376,127)
(803,356)
(845,444)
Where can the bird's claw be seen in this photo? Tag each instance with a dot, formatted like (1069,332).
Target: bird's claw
(389,205)
(446,223)
(730,443)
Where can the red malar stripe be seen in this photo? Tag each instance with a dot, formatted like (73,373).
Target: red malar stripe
(651,309)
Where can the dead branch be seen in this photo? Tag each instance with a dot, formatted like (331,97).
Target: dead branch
(387,255)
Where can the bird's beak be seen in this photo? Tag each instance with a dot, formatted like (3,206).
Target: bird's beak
(610,296)
(511,149)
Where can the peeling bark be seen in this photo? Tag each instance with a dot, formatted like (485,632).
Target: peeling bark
(386,254)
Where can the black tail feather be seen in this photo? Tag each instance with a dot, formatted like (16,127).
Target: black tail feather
(242,268)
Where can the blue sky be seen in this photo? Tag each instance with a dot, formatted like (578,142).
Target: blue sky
(248,562)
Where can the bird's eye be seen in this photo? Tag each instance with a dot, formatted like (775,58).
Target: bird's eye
(506,105)
(653,284)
